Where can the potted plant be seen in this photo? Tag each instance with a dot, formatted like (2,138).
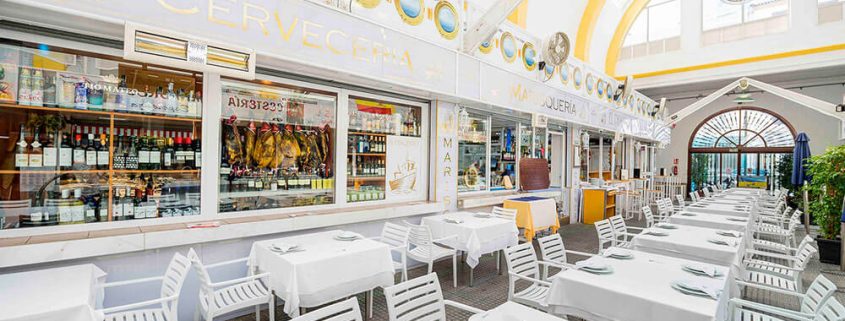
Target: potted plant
(826,188)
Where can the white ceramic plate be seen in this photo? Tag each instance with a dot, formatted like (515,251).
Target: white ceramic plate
(657,233)
(677,286)
(697,271)
(606,270)
(666,226)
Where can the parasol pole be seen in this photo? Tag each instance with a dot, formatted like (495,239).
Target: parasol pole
(806,209)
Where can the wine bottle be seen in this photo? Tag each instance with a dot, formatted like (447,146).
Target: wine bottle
(36,154)
(90,149)
(65,153)
(132,157)
(189,153)
(22,151)
(167,155)
(119,159)
(143,154)
(51,152)
(197,153)
(155,151)
(103,151)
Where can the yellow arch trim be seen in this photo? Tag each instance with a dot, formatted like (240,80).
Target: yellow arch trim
(519,16)
(586,28)
(740,61)
(622,29)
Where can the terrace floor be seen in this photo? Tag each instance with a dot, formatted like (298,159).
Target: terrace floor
(490,289)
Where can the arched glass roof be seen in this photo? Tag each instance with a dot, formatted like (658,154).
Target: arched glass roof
(743,128)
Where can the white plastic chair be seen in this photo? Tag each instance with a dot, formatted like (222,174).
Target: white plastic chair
(505,213)
(777,276)
(816,304)
(220,298)
(620,232)
(605,232)
(694,196)
(346,310)
(706,192)
(681,202)
(165,308)
(649,216)
(553,251)
(396,236)
(663,210)
(420,299)
(422,248)
(780,248)
(524,266)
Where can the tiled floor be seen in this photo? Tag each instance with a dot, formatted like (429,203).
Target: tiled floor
(491,289)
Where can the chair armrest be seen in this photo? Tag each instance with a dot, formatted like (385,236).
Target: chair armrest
(774,265)
(463,307)
(552,264)
(529,279)
(637,228)
(240,280)
(736,302)
(581,253)
(770,254)
(768,288)
(129,282)
(219,264)
(138,305)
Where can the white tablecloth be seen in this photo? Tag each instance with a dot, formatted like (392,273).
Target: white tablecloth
(476,236)
(510,311)
(325,271)
(743,191)
(690,242)
(714,221)
(733,209)
(61,294)
(639,289)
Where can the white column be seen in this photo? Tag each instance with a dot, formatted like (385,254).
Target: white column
(209,175)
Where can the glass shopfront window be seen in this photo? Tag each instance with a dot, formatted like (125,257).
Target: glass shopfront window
(473,141)
(277,147)
(503,146)
(90,138)
(385,151)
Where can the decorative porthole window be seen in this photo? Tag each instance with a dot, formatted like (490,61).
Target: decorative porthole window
(369,4)
(564,74)
(550,71)
(608,92)
(485,47)
(529,56)
(446,20)
(577,77)
(411,11)
(631,101)
(508,47)
(591,83)
(599,88)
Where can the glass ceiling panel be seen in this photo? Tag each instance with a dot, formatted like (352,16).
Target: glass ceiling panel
(748,128)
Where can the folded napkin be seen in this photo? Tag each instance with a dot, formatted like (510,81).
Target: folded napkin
(730,233)
(707,286)
(595,263)
(615,251)
(283,247)
(705,268)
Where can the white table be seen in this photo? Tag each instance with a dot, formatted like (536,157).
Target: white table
(732,209)
(510,311)
(69,293)
(714,221)
(639,289)
(690,242)
(327,269)
(476,236)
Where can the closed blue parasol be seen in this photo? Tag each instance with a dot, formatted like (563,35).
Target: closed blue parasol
(799,156)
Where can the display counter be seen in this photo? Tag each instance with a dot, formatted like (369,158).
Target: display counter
(597,204)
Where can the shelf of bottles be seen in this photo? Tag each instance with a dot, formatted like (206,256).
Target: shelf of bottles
(472,152)
(277,147)
(371,124)
(89,140)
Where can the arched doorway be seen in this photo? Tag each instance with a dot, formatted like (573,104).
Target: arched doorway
(739,146)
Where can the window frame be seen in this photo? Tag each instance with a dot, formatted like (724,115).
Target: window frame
(742,15)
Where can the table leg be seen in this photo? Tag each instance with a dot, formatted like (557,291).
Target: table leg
(302,311)
(471,269)
(369,299)
(500,256)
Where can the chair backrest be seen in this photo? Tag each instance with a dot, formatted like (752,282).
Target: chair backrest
(667,203)
(206,290)
(806,241)
(820,290)
(174,278)
(649,216)
(804,255)
(830,310)
(706,192)
(347,310)
(619,227)
(693,196)
(504,213)
(416,299)
(419,236)
(522,260)
(395,234)
(605,231)
(552,248)
(663,211)
(680,199)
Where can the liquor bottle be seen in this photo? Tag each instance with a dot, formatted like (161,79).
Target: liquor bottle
(150,207)
(121,98)
(182,98)
(65,153)
(22,151)
(36,154)
(139,209)
(51,152)
(78,150)
(119,159)
(80,96)
(24,87)
(117,208)
(36,92)
(103,151)
(159,102)
(90,149)
(197,153)
(155,151)
(171,103)
(167,155)
(126,202)
(189,153)
(143,154)
(147,99)
(132,157)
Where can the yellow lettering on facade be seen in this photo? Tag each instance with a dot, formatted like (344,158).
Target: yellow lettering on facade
(447,158)
(406,60)
(285,33)
(380,52)
(447,142)
(259,21)
(358,45)
(447,171)
(174,9)
(330,44)
(212,7)
(306,34)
